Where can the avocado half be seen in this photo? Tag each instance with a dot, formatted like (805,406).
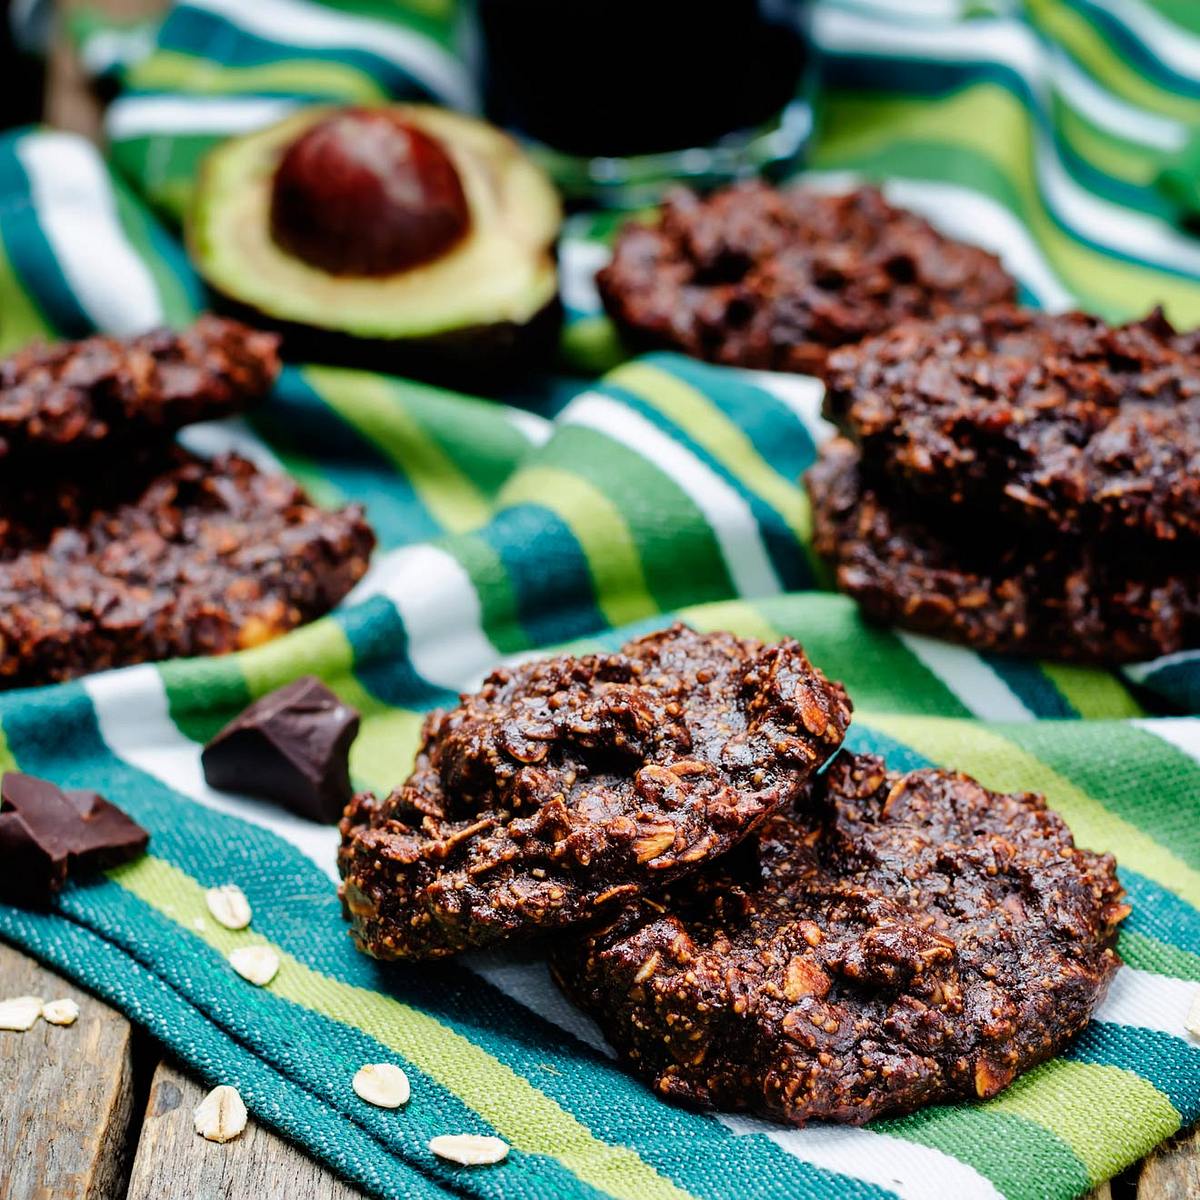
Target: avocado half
(481,310)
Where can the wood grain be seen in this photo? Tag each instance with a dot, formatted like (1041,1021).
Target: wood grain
(66,1094)
(1172,1172)
(172,1160)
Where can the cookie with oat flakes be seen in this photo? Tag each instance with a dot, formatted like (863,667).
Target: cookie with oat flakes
(1058,422)
(890,941)
(567,787)
(1000,590)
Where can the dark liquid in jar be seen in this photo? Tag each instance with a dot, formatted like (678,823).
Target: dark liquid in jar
(625,77)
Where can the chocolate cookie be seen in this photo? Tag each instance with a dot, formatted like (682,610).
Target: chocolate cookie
(169,556)
(996,590)
(1064,422)
(755,276)
(891,941)
(74,396)
(567,787)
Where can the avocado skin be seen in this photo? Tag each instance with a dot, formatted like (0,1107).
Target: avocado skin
(485,359)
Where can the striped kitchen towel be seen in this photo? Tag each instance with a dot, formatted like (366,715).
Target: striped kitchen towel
(662,486)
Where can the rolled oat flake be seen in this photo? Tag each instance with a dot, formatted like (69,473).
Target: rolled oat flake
(60,1012)
(258,964)
(228,905)
(221,1115)
(382,1084)
(20,1013)
(469,1149)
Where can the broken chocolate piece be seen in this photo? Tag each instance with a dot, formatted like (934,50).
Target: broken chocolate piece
(291,746)
(34,819)
(47,834)
(105,836)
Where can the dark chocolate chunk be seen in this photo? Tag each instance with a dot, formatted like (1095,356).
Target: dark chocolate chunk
(291,746)
(47,834)
(890,941)
(757,276)
(105,836)
(567,787)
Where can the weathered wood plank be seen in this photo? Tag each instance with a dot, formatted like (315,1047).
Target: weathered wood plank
(1172,1172)
(66,1094)
(172,1160)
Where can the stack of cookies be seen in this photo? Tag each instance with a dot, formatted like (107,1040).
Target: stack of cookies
(117,546)
(757,918)
(1019,481)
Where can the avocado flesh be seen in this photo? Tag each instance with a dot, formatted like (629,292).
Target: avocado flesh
(502,272)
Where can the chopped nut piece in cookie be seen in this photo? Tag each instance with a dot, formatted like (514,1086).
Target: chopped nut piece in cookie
(228,905)
(60,1012)
(258,964)
(382,1084)
(20,1013)
(221,1115)
(469,1149)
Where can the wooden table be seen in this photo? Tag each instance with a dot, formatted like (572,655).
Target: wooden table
(94,1112)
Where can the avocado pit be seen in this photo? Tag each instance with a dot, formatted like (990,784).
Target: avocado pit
(365,193)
